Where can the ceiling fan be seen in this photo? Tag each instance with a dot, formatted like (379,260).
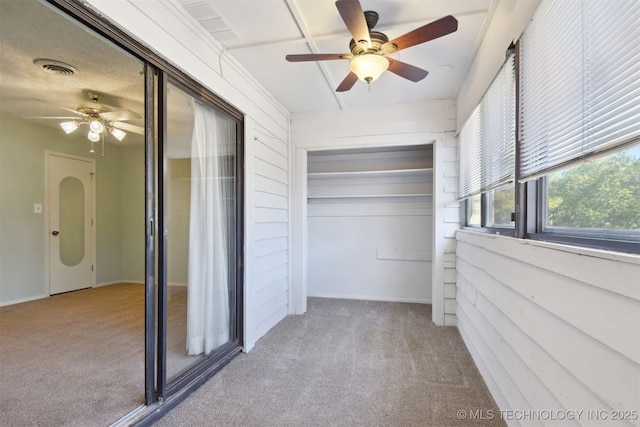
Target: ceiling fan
(369,49)
(102,119)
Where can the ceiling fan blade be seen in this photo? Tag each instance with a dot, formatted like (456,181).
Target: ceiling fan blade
(409,72)
(128,127)
(353,17)
(120,115)
(430,31)
(318,57)
(54,118)
(348,82)
(80,113)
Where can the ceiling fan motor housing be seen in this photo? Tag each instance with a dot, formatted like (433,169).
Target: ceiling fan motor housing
(372,18)
(377,40)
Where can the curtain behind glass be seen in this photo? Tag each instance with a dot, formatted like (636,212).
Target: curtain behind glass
(208,322)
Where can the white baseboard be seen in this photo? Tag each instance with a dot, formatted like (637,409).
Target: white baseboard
(98,285)
(18,301)
(184,285)
(374,298)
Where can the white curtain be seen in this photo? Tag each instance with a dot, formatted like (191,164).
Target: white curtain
(208,292)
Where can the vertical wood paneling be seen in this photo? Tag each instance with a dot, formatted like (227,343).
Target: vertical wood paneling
(545,333)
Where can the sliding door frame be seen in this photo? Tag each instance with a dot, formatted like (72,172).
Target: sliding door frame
(150,235)
(161,395)
(217,359)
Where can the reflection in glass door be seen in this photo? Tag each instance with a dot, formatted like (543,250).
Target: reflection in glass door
(200,222)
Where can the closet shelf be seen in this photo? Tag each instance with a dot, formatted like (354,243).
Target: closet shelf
(371,173)
(367,196)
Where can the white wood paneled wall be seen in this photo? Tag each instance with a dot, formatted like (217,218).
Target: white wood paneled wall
(446,221)
(551,327)
(270,273)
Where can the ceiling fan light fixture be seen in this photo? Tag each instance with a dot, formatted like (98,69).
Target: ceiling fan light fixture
(96,126)
(369,67)
(93,136)
(69,127)
(118,134)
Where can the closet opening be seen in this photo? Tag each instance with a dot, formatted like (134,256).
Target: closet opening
(369,223)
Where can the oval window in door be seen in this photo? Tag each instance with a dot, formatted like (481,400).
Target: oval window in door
(71,221)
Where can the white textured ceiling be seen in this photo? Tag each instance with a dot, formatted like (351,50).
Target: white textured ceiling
(31,30)
(260,33)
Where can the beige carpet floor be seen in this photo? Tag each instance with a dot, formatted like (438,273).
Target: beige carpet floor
(74,359)
(345,363)
(77,359)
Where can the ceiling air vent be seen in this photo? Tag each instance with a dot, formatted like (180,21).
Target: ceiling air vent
(55,67)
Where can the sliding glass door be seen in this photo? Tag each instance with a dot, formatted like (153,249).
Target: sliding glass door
(198,268)
(189,237)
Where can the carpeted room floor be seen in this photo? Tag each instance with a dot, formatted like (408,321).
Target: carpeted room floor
(77,360)
(346,363)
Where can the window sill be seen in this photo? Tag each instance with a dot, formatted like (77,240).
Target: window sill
(498,231)
(587,243)
(611,255)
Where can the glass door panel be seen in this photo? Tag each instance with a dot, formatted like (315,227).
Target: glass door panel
(200,223)
(71,221)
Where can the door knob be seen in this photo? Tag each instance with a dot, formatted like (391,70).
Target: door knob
(55,232)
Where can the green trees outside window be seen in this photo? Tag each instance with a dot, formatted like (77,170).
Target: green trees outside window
(603,194)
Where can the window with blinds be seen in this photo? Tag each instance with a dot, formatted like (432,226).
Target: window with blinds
(487,139)
(578,146)
(579,122)
(579,83)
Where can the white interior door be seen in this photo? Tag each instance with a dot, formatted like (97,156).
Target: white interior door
(70,230)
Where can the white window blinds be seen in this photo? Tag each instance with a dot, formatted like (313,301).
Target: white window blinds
(487,139)
(579,82)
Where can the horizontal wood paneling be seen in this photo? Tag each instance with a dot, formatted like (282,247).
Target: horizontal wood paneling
(276,143)
(269,185)
(524,387)
(275,291)
(271,215)
(266,278)
(448,223)
(270,155)
(269,170)
(548,330)
(270,246)
(270,316)
(270,230)
(270,249)
(270,200)
(270,261)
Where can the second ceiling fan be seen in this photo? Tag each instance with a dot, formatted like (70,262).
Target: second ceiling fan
(369,49)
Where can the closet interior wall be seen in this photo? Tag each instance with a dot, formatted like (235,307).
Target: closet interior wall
(369,219)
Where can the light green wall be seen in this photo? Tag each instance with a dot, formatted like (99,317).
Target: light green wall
(119,200)
(132,201)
